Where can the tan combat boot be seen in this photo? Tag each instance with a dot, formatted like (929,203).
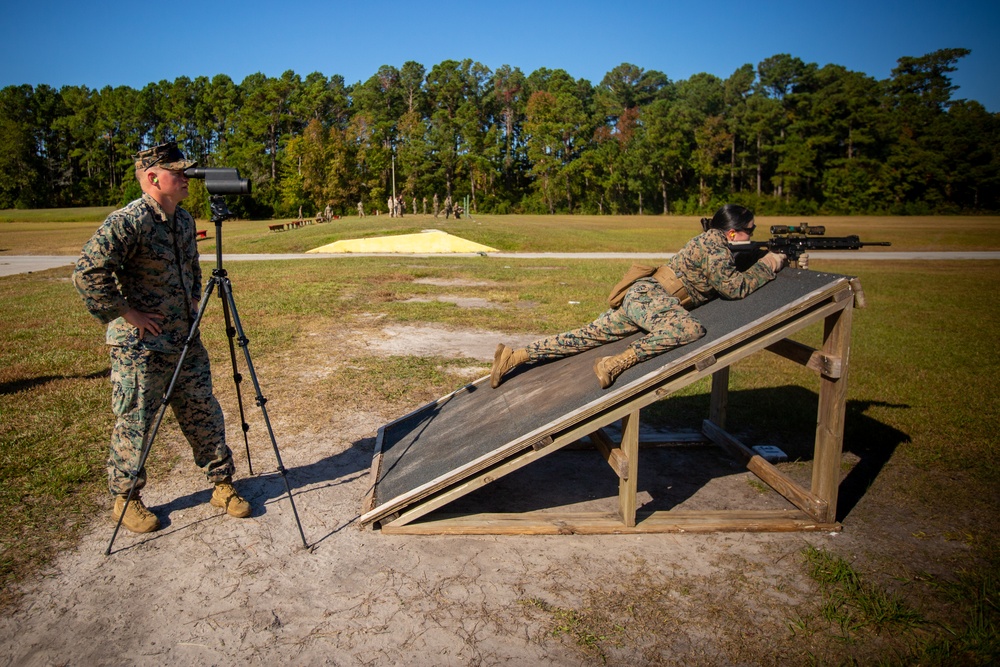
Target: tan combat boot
(138,519)
(609,368)
(225,496)
(505,360)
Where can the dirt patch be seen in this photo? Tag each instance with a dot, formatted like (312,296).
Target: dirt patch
(460,301)
(453,282)
(433,341)
(208,589)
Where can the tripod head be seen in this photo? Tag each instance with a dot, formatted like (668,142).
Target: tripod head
(220,211)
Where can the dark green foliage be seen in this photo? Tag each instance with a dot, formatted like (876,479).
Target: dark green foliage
(786,137)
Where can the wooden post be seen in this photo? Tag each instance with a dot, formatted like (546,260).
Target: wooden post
(720,397)
(627,486)
(832,409)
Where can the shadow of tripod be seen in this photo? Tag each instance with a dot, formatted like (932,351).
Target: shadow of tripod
(226,181)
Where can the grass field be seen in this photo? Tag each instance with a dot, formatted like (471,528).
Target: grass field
(64,231)
(923,369)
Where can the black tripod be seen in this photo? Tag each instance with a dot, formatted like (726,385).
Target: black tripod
(219,277)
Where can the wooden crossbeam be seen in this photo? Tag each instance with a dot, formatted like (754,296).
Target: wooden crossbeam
(611,452)
(830,366)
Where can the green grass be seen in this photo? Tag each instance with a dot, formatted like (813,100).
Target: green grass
(858,607)
(855,605)
(35,215)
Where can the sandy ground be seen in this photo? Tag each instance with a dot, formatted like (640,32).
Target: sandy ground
(208,589)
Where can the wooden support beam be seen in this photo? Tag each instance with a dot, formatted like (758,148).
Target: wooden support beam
(627,486)
(611,452)
(832,409)
(720,397)
(807,502)
(824,364)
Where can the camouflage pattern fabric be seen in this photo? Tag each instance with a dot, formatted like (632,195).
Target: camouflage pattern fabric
(142,258)
(646,307)
(139,379)
(167,156)
(705,266)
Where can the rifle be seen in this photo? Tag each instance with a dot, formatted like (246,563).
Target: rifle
(793,242)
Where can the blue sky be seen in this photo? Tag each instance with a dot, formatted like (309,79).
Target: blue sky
(130,43)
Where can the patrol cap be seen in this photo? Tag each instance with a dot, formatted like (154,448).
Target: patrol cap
(167,156)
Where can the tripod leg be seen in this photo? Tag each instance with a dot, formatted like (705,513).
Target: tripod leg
(226,290)
(237,378)
(147,444)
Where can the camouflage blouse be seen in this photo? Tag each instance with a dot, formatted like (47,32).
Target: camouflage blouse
(705,266)
(142,258)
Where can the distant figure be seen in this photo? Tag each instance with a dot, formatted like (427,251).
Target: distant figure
(361,209)
(425,205)
(414,206)
(400,207)
(458,212)
(447,207)
(391,205)
(436,207)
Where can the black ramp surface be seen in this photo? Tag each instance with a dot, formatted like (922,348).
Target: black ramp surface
(432,442)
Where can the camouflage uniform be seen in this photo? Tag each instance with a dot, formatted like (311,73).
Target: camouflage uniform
(705,267)
(143,258)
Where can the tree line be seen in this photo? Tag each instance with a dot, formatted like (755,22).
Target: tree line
(782,137)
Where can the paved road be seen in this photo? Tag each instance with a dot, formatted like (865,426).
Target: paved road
(13,264)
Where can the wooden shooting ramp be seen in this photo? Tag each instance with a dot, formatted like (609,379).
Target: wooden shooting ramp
(475,435)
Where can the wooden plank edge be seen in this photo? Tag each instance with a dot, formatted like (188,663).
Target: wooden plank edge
(609,523)
(368,504)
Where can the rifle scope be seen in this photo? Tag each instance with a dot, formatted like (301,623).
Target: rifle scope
(817,230)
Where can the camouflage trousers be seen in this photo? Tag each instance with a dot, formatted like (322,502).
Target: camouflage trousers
(646,307)
(139,379)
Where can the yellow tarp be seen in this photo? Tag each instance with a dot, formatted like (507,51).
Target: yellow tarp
(429,241)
